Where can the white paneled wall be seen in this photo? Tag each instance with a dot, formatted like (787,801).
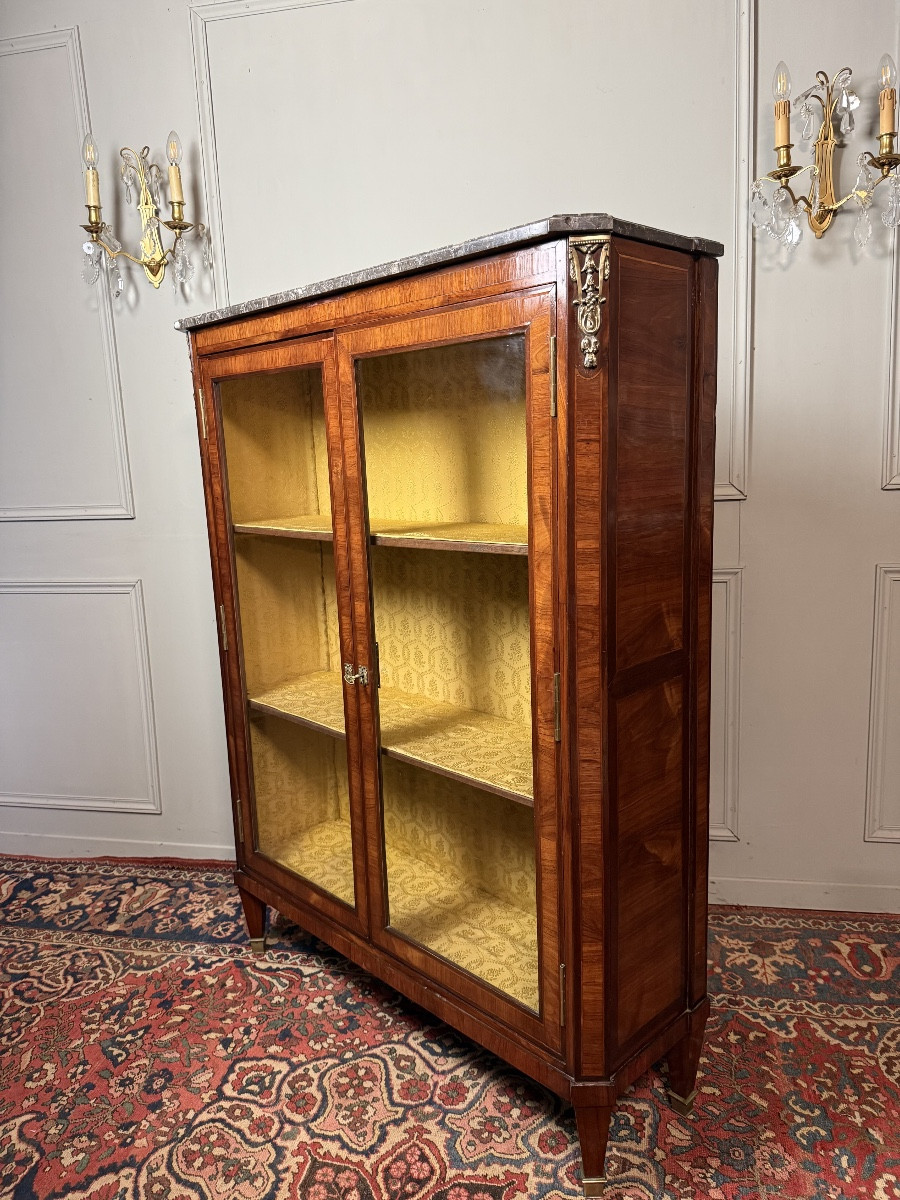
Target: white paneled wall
(324,137)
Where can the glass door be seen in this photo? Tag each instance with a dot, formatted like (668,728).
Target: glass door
(447,407)
(284,550)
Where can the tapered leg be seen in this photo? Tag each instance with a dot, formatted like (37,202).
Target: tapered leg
(593,1133)
(683,1060)
(255,916)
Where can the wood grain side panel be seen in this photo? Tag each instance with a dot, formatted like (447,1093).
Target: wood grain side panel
(590,435)
(653,344)
(647,728)
(434,290)
(704,376)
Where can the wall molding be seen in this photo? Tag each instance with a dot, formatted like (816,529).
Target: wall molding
(133,589)
(877,828)
(731,578)
(735,486)
(69,40)
(806,893)
(202,16)
(63,846)
(890,471)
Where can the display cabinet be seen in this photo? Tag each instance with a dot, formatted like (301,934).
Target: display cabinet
(460,515)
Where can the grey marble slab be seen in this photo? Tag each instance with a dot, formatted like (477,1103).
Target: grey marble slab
(521,235)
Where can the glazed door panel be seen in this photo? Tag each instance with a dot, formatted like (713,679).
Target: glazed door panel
(277,496)
(449,416)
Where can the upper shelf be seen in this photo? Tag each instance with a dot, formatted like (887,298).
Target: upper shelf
(479,749)
(474,536)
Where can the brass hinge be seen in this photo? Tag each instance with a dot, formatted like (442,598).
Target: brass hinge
(557,732)
(562,994)
(203,414)
(553,375)
(240,821)
(377,666)
(224,630)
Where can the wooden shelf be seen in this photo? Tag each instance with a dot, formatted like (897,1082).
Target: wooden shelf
(315,527)
(474,747)
(473,536)
(315,700)
(477,536)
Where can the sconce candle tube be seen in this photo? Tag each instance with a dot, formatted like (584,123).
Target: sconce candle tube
(176,192)
(887,97)
(781,90)
(89,156)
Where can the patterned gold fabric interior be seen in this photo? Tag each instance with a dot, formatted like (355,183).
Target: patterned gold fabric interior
(444,432)
(277,455)
(303,802)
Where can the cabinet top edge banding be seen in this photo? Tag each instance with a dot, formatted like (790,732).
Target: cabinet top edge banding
(507,239)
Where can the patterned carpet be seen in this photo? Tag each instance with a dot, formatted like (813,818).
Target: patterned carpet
(145,1055)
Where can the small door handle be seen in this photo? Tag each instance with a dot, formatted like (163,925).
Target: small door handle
(351,676)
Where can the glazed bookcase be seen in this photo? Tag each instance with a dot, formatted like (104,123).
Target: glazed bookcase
(460,516)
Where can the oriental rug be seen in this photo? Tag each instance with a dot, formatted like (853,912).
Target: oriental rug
(146,1055)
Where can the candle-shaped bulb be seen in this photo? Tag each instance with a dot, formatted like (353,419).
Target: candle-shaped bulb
(887,69)
(173,148)
(90,156)
(89,153)
(781,84)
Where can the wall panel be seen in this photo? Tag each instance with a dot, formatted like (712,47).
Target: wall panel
(883,791)
(63,451)
(724,773)
(79,729)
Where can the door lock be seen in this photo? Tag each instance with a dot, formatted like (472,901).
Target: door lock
(351,676)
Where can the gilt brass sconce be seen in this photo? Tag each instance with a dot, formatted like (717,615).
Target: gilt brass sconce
(144,178)
(780,214)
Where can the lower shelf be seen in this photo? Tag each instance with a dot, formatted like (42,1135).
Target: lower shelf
(474,930)
(459,742)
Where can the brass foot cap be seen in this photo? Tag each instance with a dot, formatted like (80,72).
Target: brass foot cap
(683,1105)
(594,1187)
(258,946)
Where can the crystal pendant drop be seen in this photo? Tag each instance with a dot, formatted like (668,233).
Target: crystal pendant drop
(863,230)
(891,217)
(116,282)
(90,269)
(794,231)
(207,249)
(111,240)
(759,207)
(781,213)
(806,113)
(865,181)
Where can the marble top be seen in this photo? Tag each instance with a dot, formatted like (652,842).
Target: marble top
(521,235)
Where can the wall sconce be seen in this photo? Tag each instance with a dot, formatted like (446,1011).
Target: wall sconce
(780,214)
(144,177)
